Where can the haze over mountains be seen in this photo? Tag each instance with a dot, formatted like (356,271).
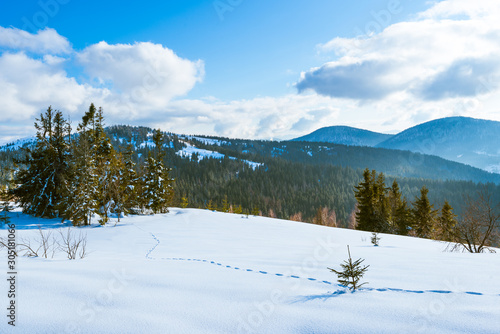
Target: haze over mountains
(466,140)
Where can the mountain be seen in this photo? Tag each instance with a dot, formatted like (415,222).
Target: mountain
(466,140)
(345,135)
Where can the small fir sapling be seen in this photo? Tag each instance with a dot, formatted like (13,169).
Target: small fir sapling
(352,273)
(375,239)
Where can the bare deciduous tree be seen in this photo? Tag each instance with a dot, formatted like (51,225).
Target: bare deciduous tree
(477,230)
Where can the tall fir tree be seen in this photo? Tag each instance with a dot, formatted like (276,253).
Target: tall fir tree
(373,206)
(44,183)
(82,201)
(424,215)
(381,205)
(365,196)
(402,218)
(157,184)
(446,223)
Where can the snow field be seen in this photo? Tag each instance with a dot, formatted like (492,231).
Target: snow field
(195,271)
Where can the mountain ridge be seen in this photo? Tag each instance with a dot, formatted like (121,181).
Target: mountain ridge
(466,140)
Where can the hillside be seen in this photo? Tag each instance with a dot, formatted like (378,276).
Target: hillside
(195,271)
(345,135)
(285,178)
(466,140)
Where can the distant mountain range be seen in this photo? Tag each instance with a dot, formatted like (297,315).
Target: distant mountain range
(470,141)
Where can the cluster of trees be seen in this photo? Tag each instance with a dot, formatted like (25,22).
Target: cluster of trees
(383,209)
(74,176)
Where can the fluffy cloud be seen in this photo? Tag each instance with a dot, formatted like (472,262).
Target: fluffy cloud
(144,75)
(46,41)
(29,84)
(132,82)
(436,56)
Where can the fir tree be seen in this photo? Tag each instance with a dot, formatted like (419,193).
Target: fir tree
(255,211)
(423,215)
(225,204)
(446,223)
(365,196)
(4,212)
(83,192)
(184,202)
(375,239)
(126,187)
(373,207)
(210,205)
(402,218)
(352,273)
(157,188)
(42,185)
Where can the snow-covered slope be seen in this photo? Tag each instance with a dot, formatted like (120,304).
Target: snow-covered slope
(191,150)
(195,271)
(20,143)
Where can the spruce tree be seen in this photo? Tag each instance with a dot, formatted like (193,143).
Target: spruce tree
(352,273)
(43,184)
(225,204)
(446,223)
(125,183)
(373,207)
(402,218)
(423,215)
(365,217)
(83,192)
(381,205)
(157,184)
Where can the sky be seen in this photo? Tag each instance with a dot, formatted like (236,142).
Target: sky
(249,69)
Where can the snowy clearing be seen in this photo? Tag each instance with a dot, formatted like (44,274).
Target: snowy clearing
(195,271)
(189,150)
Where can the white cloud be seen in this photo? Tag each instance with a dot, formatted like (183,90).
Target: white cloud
(145,75)
(132,82)
(29,85)
(46,41)
(430,53)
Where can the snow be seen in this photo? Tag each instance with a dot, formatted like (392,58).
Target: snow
(196,271)
(149,143)
(189,150)
(208,141)
(18,144)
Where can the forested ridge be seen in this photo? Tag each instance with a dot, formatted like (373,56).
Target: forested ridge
(294,177)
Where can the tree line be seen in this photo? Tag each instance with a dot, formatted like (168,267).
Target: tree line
(383,209)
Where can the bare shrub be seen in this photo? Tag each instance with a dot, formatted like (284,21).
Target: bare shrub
(73,245)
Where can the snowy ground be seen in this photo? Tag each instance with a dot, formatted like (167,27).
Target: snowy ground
(194,271)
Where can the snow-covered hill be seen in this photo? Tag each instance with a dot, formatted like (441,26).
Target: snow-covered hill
(465,140)
(195,271)
(345,135)
(462,139)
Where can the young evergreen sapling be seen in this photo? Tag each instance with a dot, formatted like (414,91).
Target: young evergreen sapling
(375,239)
(352,273)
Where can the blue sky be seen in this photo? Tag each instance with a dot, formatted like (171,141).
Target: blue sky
(251,69)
